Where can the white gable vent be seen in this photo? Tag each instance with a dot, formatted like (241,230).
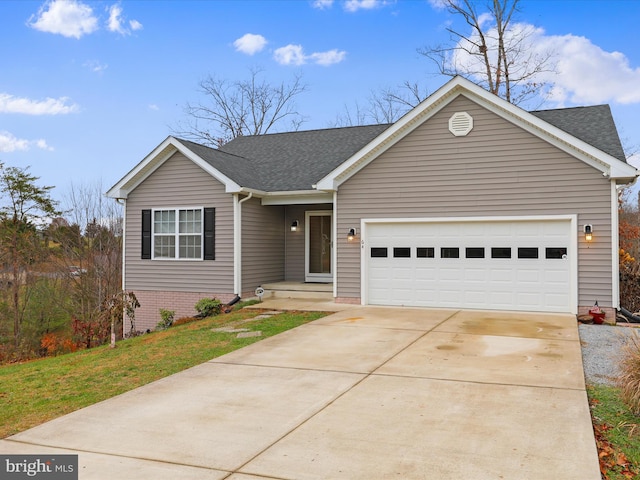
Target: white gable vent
(460,124)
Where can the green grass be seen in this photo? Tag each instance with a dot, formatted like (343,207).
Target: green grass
(617,432)
(34,392)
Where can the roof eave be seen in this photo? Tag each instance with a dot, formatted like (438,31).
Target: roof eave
(155,159)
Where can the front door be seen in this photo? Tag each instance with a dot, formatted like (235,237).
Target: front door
(318,246)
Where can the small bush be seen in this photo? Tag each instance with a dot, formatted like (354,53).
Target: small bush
(167,319)
(629,380)
(208,307)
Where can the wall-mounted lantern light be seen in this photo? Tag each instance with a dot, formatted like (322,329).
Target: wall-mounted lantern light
(351,234)
(588,232)
(294,226)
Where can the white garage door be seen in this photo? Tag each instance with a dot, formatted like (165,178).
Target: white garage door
(500,265)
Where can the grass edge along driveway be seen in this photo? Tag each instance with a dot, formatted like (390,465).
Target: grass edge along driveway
(35,392)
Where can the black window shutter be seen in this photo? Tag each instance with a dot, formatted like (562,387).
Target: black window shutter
(146,234)
(209,233)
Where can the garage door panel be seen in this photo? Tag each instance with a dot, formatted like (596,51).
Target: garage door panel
(526,279)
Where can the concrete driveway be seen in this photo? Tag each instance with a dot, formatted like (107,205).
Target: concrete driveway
(365,393)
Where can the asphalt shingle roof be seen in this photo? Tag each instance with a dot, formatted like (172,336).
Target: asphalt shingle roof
(297,160)
(593,125)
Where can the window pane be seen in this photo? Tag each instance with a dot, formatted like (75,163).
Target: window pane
(401,252)
(378,252)
(474,252)
(164,247)
(450,252)
(190,246)
(164,221)
(190,221)
(425,252)
(500,252)
(527,252)
(556,252)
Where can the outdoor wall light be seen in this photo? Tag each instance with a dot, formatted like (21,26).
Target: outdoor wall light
(588,232)
(351,234)
(294,226)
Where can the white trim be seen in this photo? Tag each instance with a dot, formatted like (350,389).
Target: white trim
(572,253)
(297,198)
(317,277)
(124,244)
(155,159)
(334,241)
(176,234)
(607,164)
(615,247)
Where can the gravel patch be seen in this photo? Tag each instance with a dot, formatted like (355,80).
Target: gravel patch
(602,351)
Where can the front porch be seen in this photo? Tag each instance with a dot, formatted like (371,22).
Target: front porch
(298,290)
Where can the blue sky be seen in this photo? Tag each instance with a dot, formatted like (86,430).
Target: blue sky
(88,88)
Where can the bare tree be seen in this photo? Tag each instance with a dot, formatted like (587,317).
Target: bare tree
(497,53)
(241,107)
(386,105)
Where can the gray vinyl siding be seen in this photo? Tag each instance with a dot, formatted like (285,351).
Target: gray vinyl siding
(295,241)
(263,232)
(180,183)
(497,170)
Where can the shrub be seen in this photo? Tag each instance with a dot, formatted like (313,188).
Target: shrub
(208,307)
(167,319)
(629,379)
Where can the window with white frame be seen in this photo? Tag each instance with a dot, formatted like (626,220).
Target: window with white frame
(177,233)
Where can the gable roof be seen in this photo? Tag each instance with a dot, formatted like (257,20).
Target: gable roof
(609,165)
(303,161)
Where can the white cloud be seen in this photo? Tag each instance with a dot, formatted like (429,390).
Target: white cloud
(48,106)
(290,55)
(588,74)
(10,143)
(250,43)
(355,5)
(322,4)
(585,73)
(135,25)
(154,107)
(116,22)
(95,66)
(328,58)
(69,18)
(294,55)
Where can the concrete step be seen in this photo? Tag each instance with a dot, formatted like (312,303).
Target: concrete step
(315,291)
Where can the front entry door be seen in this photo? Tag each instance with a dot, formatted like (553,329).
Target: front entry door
(318,246)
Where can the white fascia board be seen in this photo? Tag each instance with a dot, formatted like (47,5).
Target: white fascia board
(299,197)
(390,136)
(147,165)
(155,159)
(609,166)
(230,185)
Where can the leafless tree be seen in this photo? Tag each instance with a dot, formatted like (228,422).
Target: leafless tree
(497,53)
(386,105)
(242,107)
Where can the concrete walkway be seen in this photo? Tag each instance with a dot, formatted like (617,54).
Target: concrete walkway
(365,393)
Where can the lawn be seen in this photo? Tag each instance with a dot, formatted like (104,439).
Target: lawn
(34,392)
(617,433)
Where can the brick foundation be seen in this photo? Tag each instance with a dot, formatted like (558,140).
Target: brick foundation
(348,300)
(183,303)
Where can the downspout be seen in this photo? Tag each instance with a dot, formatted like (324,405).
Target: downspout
(237,242)
(615,248)
(334,257)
